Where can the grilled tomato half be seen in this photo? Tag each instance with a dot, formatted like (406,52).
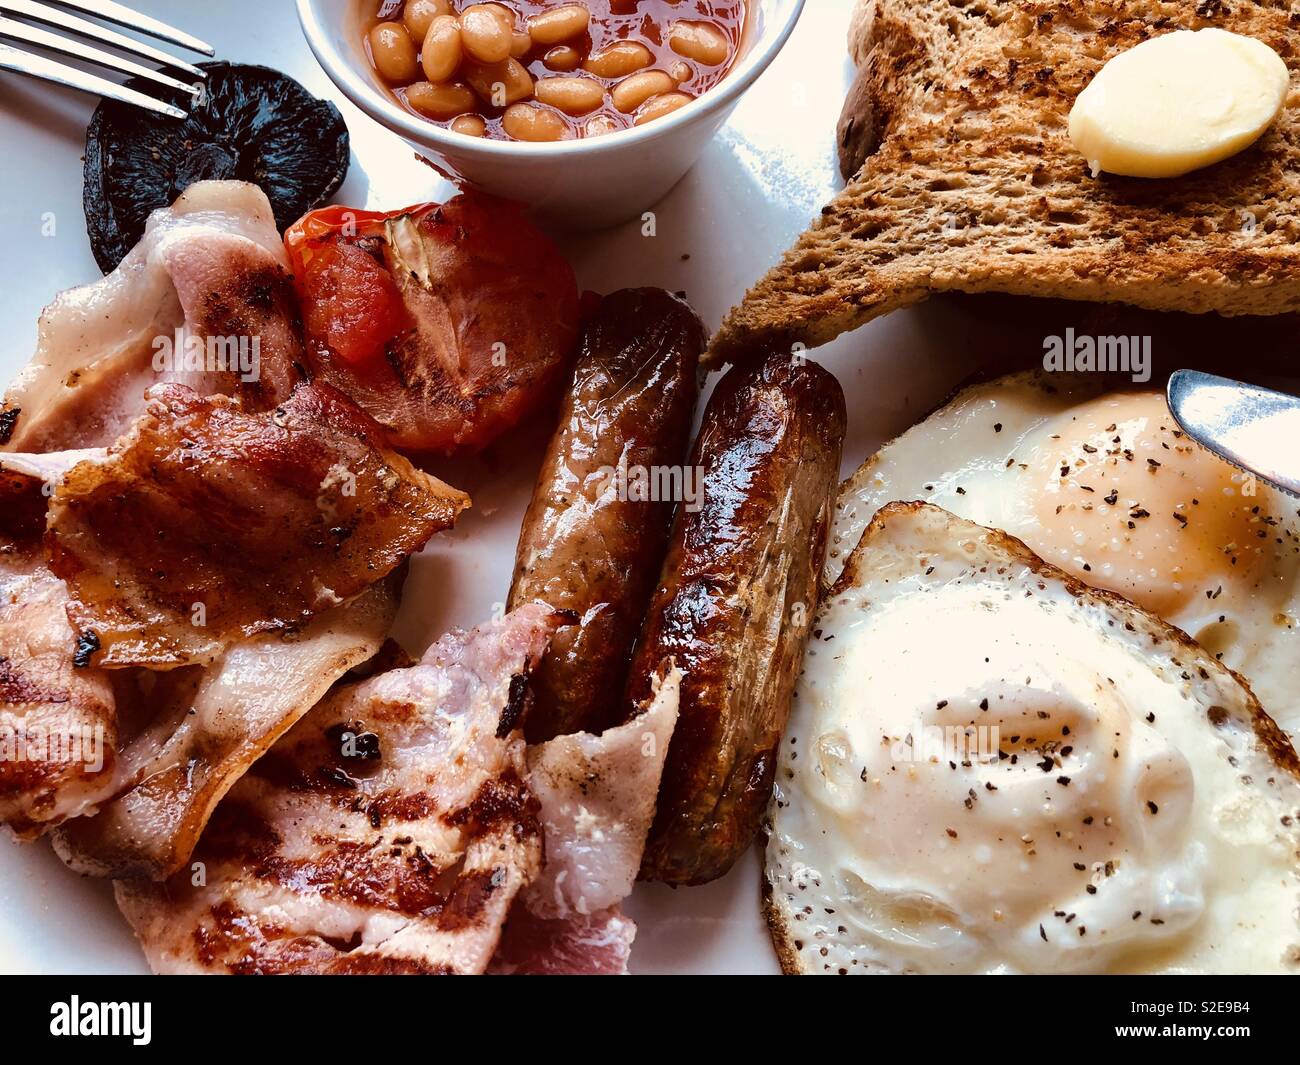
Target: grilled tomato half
(448,323)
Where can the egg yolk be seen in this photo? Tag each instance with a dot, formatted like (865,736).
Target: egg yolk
(1125,501)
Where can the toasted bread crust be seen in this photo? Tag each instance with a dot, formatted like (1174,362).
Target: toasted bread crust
(976,187)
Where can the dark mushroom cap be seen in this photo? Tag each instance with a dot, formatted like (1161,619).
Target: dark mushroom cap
(252,124)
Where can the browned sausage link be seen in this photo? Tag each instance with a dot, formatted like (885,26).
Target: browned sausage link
(736,598)
(591,542)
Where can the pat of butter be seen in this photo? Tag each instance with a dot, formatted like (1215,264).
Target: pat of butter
(1178,102)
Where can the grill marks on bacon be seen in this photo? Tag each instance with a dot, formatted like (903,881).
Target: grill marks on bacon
(191,733)
(58,725)
(388,832)
(207,524)
(211,265)
(408,856)
(171,742)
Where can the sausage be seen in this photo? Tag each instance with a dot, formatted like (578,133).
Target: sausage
(735,601)
(590,543)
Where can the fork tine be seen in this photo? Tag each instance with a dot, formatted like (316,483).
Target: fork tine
(20,31)
(71,23)
(39,66)
(133,20)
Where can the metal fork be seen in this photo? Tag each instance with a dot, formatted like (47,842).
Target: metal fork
(41,66)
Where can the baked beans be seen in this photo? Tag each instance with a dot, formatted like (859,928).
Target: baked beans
(618,60)
(418,15)
(441,51)
(564,58)
(529,122)
(499,85)
(701,41)
(658,106)
(631,93)
(573,96)
(559,24)
(485,34)
(469,125)
(546,70)
(440,100)
(394,52)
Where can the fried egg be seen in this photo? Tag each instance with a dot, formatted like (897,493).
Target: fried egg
(1104,485)
(993,768)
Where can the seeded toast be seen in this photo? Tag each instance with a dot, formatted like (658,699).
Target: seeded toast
(972,184)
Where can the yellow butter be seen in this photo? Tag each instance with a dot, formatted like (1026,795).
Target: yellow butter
(1178,102)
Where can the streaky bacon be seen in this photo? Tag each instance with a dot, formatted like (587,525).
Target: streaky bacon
(597,944)
(387,832)
(58,721)
(598,801)
(207,524)
(189,734)
(138,759)
(597,796)
(211,265)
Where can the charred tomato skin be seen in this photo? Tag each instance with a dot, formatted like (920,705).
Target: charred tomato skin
(491,312)
(351,304)
(251,123)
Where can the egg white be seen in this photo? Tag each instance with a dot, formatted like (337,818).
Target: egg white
(1101,795)
(1103,485)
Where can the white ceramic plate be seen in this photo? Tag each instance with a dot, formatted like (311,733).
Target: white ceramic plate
(756,187)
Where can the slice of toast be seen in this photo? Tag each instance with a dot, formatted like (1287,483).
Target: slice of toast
(974,185)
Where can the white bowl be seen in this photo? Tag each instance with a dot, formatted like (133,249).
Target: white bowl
(583,183)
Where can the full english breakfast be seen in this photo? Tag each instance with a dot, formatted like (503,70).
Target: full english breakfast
(1017,696)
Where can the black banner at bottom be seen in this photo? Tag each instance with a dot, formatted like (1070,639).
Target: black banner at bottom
(335,1015)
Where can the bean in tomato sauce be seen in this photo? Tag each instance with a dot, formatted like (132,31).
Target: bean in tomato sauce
(550,70)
